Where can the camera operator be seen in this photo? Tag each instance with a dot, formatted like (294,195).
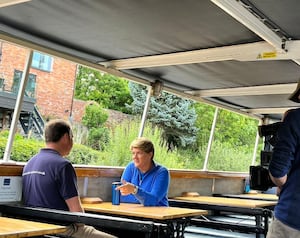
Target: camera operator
(284,169)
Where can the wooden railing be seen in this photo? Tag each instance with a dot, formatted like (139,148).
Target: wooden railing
(91,171)
(10,170)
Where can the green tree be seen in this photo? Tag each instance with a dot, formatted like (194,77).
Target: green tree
(174,115)
(204,121)
(108,90)
(235,129)
(231,128)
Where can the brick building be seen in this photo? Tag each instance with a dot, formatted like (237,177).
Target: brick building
(52,82)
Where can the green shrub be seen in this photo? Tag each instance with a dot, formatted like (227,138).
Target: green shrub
(22,149)
(98,138)
(82,154)
(223,156)
(95,116)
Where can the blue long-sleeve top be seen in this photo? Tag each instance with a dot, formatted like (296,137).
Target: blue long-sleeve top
(286,161)
(153,185)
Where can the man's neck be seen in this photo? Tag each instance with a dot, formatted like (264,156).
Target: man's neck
(53,146)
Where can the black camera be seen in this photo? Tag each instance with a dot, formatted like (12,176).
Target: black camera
(269,130)
(259,175)
(270,133)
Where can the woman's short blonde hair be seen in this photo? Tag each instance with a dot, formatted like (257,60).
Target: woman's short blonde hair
(143,144)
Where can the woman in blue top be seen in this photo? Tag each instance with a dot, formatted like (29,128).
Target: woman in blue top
(143,180)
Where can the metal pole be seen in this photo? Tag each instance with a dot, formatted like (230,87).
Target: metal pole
(255,149)
(85,186)
(211,137)
(16,113)
(146,107)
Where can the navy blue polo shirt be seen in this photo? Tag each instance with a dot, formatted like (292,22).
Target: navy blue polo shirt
(286,161)
(48,180)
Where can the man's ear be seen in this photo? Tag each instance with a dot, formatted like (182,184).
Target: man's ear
(65,137)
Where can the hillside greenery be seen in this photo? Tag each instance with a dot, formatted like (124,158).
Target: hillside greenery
(179,128)
(223,157)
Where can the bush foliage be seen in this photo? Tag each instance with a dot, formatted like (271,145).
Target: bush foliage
(22,149)
(94,118)
(179,128)
(223,156)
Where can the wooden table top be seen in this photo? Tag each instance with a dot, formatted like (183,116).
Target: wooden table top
(15,228)
(260,196)
(232,202)
(138,210)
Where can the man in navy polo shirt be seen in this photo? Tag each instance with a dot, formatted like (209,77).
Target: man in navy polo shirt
(49,180)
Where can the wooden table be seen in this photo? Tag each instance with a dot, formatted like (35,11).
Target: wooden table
(260,209)
(254,196)
(15,228)
(231,202)
(175,218)
(116,225)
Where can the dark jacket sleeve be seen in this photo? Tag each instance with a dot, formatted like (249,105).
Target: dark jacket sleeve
(286,147)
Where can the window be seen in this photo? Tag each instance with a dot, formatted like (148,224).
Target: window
(42,61)
(30,87)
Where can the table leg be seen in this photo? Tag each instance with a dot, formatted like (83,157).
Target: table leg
(176,227)
(267,214)
(258,221)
